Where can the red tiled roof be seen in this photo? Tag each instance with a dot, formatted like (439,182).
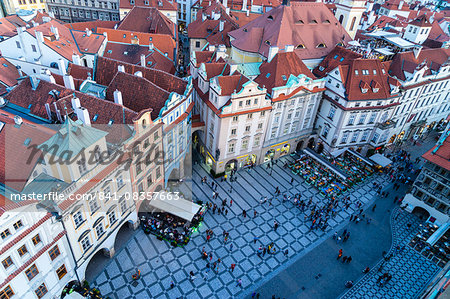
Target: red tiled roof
(8,73)
(94,26)
(209,28)
(407,62)
(135,93)
(440,157)
(231,84)
(79,72)
(165,43)
(203,57)
(305,25)
(216,68)
(394,5)
(437,34)
(421,21)
(164,5)
(7,29)
(241,18)
(148,20)
(106,69)
(276,72)
(384,21)
(132,54)
(374,77)
(15,163)
(332,60)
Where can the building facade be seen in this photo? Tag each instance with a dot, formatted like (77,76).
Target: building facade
(349,14)
(79,11)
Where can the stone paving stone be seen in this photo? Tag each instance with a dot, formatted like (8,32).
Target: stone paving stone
(160,263)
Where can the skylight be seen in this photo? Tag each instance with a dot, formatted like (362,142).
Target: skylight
(284,77)
(267,75)
(5,65)
(27,142)
(111,121)
(109,51)
(95,117)
(342,59)
(335,56)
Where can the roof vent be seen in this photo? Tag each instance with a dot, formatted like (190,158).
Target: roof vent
(18,120)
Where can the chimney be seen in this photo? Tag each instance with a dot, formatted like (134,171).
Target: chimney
(62,67)
(18,120)
(227,10)
(76,59)
(400,5)
(150,46)
(83,115)
(34,23)
(47,76)
(204,15)
(88,32)
(273,50)
(50,14)
(75,104)
(286,3)
(138,73)
(247,13)
(289,48)
(21,30)
(47,19)
(68,82)
(244,5)
(39,37)
(121,68)
(34,82)
(221,52)
(118,97)
(211,48)
(2,101)
(416,51)
(221,25)
(142,60)
(55,31)
(225,3)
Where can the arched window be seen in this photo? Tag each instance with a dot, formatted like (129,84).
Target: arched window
(144,123)
(353,23)
(301,46)
(341,18)
(321,45)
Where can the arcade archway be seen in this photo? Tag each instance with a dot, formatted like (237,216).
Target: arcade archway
(231,165)
(311,143)
(421,212)
(299,145)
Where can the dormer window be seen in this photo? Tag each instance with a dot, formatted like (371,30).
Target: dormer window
(267,42)
(383,71)
(245,30)
(300,22)
(321,68)
(327,21)
(146,2)
(356,72)
(335,56)
(321,45)
(365,72)
(313,22)
(375,90)
(364,90)
(301,46)
(270,18)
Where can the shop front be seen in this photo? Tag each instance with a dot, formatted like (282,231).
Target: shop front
(231,165)
(248,161)
(285,149)
(270,154)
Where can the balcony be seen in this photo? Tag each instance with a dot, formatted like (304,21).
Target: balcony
(386,125)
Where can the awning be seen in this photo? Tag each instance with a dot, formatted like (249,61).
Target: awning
(370,163)
(380,160)
(325,163)
(385,51)
(338,152)
(75,295)
(438,234)
(175,205)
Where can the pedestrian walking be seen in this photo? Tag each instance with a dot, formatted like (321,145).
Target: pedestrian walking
(340,254)
(255,239)
(286,252)
(254,213)
(374,207)
(172,285)
(192,275)
(292,181)
(231,246)
(275,225)
(244,213)
(344,259)
(349,259)
(239,283)
(232,267)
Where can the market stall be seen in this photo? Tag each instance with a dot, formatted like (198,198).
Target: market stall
(380,161)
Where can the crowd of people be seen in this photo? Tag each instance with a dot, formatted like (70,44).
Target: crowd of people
(166,226)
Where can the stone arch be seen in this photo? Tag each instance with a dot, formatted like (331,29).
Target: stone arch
(353,24)
(299,145)
(320,147)
(96,263)
(124,233)
(421,212)
(311,143)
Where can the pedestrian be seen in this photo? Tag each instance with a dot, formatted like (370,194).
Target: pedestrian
(254,213)
(192,275)
(210,256)
(292,181)
(231,246)
(374,207)
(226,212)
(255,239)
(244,213)
(351,217)
(349,259)
(172,285)
(239,283)
(231,202)
(232,267)
(208,237)
(340,254)
(344,259)
(286,252)
(264,251)
(275,225)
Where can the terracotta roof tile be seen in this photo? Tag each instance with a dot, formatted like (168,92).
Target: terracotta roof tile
(203,57)
(339,56)
(276,72)
(440,157)
(215,69)
(231,84)
(8,73)
(309,26)
(94,26)
(148,20)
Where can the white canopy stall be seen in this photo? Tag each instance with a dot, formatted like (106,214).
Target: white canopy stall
(380,160)
(175,205)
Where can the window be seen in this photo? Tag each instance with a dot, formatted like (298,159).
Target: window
(240,103)
(120,182)
(248,102)
(362,118)
(22,250)
(365,135)
(36,240)
(18,225)
(78,218)
(138,168)
(365,72)
(247,129)
(149,180)
(353,24)
(245,144)
(6,293)
(54,252)
(355,137)
(356,72)
(344,137)
(257,139)
(99,230)
(375,137)
(351,120)
(249,116)
(18,45)
(155,135)
(372,118)
(33,48)
(85,243)
(231,147)
(41,291)
(7,262)
(325,131)
(158,173)
(5,234)
(123,204)
(61,271)
(93,205)
(82,165)
(255,101)
(197,44)
(260,125)
(32,272)
(233,131)
(235,118)
(332,112)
